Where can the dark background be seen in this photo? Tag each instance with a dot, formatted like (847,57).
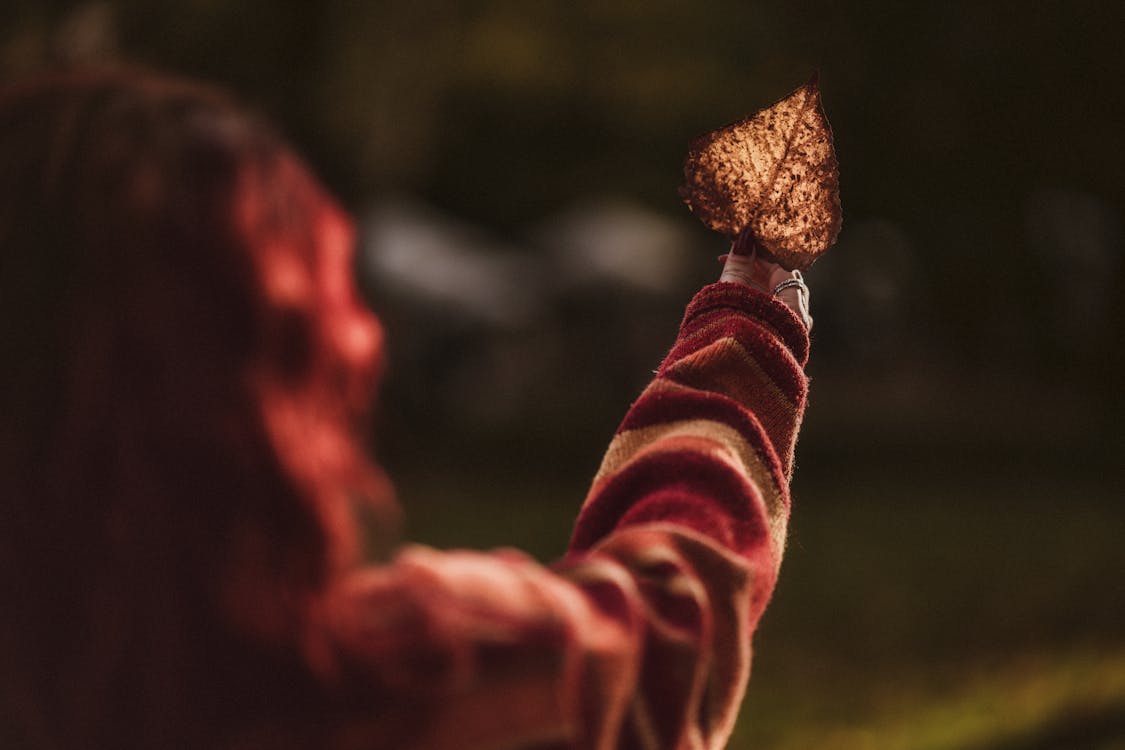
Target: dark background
(954,572)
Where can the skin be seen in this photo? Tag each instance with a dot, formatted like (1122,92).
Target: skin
(743,266)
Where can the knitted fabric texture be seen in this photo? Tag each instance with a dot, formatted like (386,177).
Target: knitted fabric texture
(640,637)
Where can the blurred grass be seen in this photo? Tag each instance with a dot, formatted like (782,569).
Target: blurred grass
(944,611)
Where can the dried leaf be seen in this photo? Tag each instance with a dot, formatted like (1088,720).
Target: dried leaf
(775,173)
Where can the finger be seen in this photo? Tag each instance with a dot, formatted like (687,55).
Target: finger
(741,269)
(793,299)
(744,243)
(779,274)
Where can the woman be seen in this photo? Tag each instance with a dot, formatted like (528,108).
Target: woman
(186,370)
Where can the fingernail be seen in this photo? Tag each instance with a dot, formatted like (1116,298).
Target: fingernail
(744,244)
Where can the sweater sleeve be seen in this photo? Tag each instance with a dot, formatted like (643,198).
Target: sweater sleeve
(640,637)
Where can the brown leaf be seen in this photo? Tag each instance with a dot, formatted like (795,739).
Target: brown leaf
(775,173)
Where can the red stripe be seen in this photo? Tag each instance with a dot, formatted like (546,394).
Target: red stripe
(755,304)
(695,490)
(667,407)
(776,360)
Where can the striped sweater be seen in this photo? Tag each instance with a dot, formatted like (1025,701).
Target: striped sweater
(640,637)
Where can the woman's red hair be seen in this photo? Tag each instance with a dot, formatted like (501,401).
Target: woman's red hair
(186,369)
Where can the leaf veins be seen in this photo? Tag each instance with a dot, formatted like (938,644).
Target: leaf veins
(775,173)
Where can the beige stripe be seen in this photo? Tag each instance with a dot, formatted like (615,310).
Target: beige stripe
(592,571)
(703,436)
(774,410)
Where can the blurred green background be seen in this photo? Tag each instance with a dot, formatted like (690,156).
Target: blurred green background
(954,574)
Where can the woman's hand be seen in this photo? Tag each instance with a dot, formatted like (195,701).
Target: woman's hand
(743,266)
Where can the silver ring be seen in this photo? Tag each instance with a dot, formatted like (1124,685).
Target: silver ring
(797,282)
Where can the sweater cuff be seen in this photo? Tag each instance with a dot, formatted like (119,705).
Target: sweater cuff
(762,307)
